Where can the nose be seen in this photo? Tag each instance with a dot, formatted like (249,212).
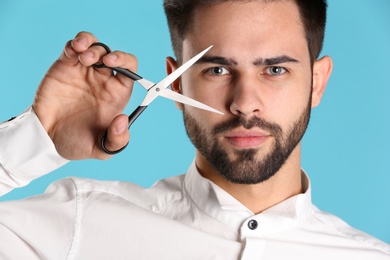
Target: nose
(246,97)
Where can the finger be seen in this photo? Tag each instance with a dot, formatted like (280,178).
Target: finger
(92,55)
(69,55)
(118,135)
(74,47)
(122,60)
(83,41)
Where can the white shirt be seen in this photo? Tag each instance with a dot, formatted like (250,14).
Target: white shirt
(183,217)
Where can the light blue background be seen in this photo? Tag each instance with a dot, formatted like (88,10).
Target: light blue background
(345,151)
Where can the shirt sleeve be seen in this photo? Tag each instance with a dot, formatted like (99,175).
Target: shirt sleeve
(40,227)
(26,151)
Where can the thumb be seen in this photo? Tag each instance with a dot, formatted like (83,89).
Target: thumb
(117,135)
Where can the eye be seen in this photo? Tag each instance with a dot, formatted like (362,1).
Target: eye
(275,70)
(218,71)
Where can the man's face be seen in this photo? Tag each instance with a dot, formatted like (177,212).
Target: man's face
(258,73)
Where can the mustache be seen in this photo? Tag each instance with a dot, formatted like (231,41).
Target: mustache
(235,122)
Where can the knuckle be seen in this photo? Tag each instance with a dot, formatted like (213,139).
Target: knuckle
(84,34)
(68,46)
(128,60)
(68,51)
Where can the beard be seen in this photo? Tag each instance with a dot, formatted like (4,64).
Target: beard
(245,168)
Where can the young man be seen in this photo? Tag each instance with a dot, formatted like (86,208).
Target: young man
(245,196)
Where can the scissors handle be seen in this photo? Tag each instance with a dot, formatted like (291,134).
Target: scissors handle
(126,72)
(106,150)
(132,117)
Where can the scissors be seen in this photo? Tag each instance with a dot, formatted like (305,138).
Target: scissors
(154,90)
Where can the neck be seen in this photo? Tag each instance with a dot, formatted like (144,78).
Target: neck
(287,182)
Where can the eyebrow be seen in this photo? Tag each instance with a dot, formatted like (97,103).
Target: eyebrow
(275,60)
(258,62)
(217,60)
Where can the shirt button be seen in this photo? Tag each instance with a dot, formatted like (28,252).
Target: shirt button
(252,224)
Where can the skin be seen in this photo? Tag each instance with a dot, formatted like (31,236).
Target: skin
(93,98)
(245,34)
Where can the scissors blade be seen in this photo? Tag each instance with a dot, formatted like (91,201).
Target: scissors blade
(167,93)
(155,90)
(179,71)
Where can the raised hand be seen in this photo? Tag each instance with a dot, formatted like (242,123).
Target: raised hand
(76,103)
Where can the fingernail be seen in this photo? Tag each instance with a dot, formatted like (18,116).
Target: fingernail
(112,56)
(82,41)
(121,127)
(89,54)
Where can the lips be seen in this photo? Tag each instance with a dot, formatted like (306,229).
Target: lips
(246,139)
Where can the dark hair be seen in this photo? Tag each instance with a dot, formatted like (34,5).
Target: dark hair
(313,15)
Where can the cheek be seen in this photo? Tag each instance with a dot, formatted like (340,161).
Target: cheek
(287,104)
(205,92)
(205,119)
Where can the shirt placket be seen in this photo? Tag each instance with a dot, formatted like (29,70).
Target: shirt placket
(251,236)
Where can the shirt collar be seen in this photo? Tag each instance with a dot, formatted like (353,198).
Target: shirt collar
(219,204)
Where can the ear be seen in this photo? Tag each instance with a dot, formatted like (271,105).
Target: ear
(322,69)
(171,65)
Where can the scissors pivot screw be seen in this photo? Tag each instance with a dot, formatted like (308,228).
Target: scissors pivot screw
(157,89)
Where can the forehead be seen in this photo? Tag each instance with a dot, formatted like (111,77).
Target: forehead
(247,27)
